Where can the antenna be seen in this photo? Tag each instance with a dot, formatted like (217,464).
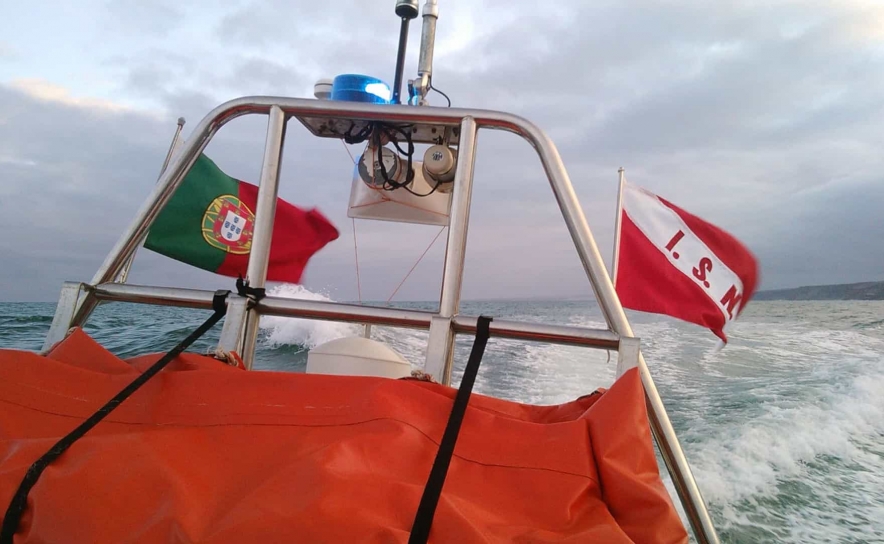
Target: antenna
(407,10)
(419,87)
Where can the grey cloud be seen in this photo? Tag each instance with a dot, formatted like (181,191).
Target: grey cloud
(833,232)
(153,17)
(151,72)
(7,52)
(308,25)
(762,118)
(90,171)
(94,169)
(735,141)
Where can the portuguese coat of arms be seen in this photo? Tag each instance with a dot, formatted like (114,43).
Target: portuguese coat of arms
(228,225)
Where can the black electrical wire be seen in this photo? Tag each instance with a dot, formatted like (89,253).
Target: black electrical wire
(440,92)
(375,130)
(389,131)
(360,136)
(389,184)
(433,190)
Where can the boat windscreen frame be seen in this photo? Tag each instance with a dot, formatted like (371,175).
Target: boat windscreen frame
(325,119)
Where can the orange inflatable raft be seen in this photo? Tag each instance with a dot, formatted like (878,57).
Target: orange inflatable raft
(206,452)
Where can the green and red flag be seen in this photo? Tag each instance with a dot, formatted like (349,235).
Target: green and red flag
(209,221)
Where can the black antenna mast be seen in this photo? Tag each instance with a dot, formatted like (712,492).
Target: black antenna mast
(407,10)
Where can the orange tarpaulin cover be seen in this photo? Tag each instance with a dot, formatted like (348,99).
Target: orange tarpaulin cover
(206,452)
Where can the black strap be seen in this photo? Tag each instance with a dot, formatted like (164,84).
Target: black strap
(20,499)
(243,290)
(423,520)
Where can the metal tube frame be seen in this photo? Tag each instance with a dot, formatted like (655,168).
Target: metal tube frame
(124,273)
(259,256)
(440,347)
(563,191)
(353,313)
(64,313)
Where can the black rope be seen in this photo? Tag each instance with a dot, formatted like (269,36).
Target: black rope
(20,499)
(423,520)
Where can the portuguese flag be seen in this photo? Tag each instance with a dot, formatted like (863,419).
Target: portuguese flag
(209,221)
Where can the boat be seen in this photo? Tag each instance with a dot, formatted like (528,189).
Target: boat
(184,447)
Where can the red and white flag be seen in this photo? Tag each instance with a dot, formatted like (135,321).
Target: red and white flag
(672,262)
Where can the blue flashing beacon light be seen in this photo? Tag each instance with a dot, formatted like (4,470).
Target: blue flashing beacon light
(359,88)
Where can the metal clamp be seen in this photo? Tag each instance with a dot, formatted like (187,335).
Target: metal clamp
(628,354)
(64,313)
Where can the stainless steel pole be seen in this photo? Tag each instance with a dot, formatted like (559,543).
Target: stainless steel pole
(264,215)
(428,43)
(594,265)
(440,347)
(462,194)
(124,273)
(617,224)
(163,191)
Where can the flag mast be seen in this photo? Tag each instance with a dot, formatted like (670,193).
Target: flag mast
(124,273)
(617,222)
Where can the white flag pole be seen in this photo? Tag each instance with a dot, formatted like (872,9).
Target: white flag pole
(617,224)
(124,273)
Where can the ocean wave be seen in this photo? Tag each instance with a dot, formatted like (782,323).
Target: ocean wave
(798,449)
(874,325)
(24,319)
(307,333)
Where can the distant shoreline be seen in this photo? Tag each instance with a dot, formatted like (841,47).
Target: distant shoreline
(868,290)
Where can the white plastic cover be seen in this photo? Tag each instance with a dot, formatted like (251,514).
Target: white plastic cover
(357,356)
(400,205)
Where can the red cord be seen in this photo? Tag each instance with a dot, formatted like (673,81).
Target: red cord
(415,264)
(356,252)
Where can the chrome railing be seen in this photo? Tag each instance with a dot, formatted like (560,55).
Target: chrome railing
(352,313)
(330,119)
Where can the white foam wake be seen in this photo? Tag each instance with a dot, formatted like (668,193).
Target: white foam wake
(750,459)
(824,444)
(308,333)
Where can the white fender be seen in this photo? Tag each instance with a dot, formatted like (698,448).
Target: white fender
(357,356)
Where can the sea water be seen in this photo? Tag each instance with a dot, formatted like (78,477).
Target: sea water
(784,427)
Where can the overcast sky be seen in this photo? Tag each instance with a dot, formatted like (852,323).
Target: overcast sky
(763,117)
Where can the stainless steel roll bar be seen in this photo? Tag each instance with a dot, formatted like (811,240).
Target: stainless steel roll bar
(350,313)
(329,119)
